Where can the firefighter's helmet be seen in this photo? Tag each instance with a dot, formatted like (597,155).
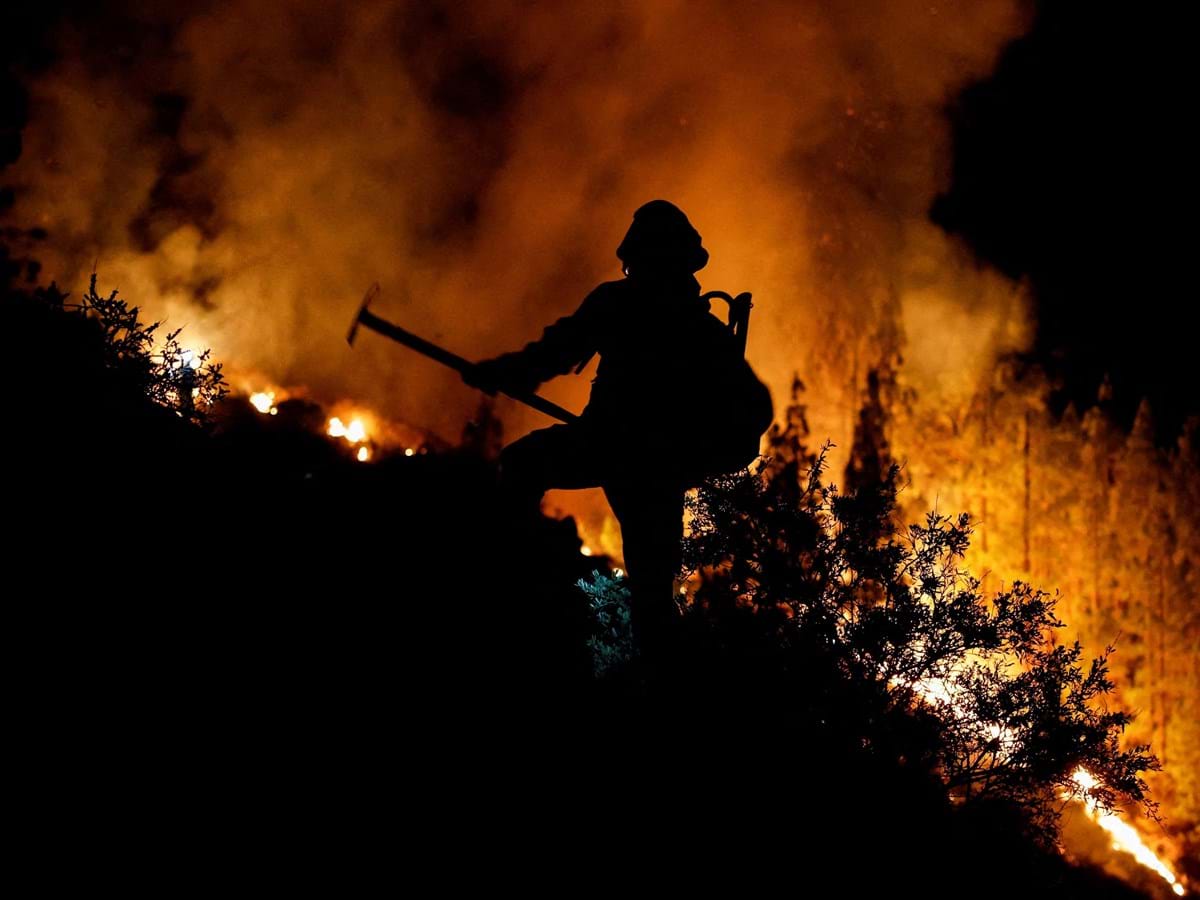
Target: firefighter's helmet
(662,239)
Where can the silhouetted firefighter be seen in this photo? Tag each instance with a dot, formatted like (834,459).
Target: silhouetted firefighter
(673,401)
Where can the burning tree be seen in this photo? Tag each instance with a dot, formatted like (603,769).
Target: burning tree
(891,647)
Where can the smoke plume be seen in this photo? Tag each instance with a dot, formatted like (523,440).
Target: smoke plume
(247,169)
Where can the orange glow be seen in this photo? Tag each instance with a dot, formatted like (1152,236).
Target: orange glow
(1124,838)
(354,432)
(824,215)
(264,402)
(369,433)
(191,359)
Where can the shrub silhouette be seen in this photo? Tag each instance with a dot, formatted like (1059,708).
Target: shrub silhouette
(890,647)
(187,383)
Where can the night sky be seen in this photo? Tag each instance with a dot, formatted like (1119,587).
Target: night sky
(1072,170)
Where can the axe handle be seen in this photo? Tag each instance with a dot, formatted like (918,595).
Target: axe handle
(368,319)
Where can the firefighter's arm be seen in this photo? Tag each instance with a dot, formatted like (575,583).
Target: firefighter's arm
(563,346)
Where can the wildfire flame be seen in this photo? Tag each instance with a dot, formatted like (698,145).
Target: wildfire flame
(1124,838)
(354,433)
(827,220)
(365,431)
(264,402)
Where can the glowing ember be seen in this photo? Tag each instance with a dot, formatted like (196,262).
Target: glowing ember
(364,454)
(585,550)
(264,402)
(1123,835)
(355,432)
(409,451)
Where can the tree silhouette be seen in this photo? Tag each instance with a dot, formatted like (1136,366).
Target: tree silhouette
(891,646)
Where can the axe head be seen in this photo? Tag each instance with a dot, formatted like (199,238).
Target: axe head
(368,299)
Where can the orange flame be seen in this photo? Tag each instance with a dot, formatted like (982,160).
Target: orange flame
(264,402)
(1124,838)
(354,433)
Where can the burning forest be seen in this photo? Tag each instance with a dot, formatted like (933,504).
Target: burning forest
(264,553)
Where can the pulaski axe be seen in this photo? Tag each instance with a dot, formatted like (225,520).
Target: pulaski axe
(369,320)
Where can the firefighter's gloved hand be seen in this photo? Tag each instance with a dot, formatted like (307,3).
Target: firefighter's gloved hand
(481,376)
(506,373)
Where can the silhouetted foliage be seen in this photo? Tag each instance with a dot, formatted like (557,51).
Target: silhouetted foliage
(883,633)
(180,380)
